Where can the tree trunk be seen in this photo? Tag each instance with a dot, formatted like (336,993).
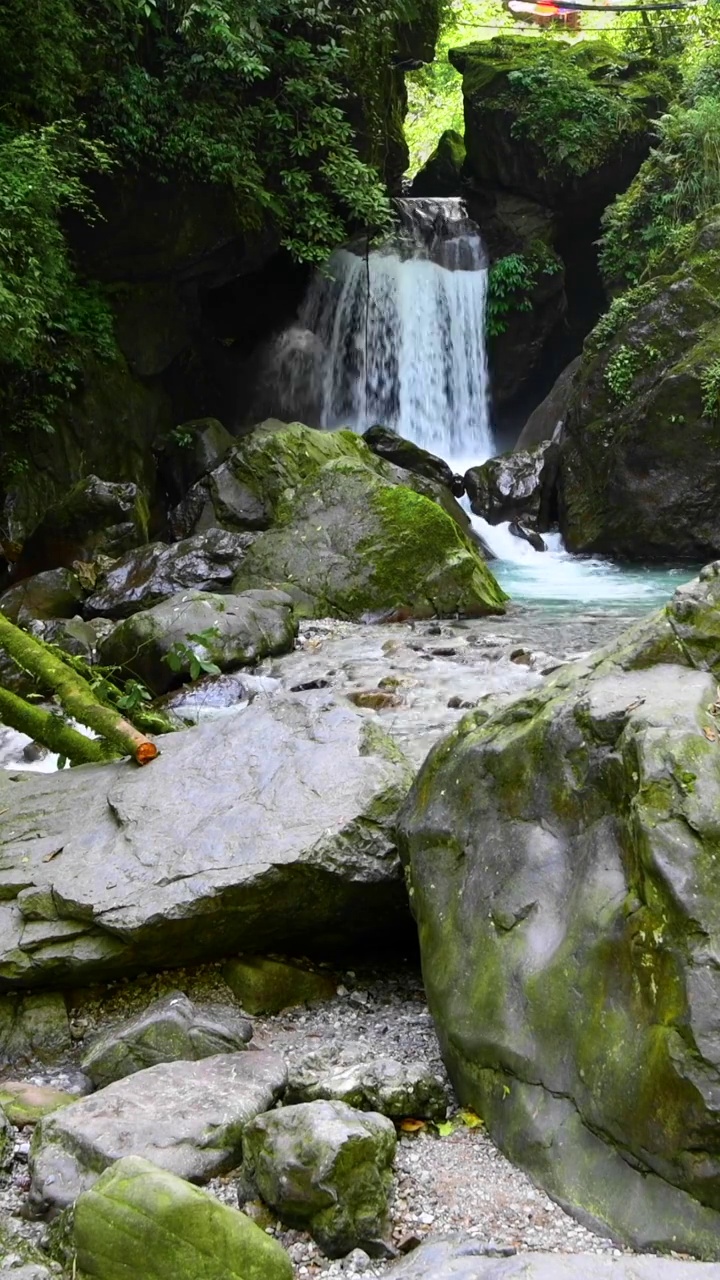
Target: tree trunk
(74,693)
(42,726)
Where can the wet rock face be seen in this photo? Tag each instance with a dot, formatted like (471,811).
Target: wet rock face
(640,468)
(327,1167)
(260,858)
(389,445)
(562,870)
(57,593)
(143,578)
(140,1219)
(96,517)
(515,486)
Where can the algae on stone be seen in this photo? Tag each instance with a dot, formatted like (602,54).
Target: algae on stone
(140,1220)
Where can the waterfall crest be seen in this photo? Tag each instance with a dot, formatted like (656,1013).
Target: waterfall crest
(397,336)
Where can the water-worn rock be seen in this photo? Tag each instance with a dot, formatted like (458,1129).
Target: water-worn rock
(7,1138)
(515,486)
(354,537)
(25,1103)
(327,1168)
(186,1117)
(54,594)
(640,468)
(264,985)
(468,1259)
(191,450)
(389,445)
(562,863)
(237,630)
(140,1220)
(169,1029)
(143,578)
(32,1026)
(225,839)
(369,1083)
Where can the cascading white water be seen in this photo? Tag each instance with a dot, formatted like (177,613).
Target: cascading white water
(402,330)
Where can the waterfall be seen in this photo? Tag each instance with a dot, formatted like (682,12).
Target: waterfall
(396,336)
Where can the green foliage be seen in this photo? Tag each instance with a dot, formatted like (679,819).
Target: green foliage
(48,320)
(621,310)
(511,282)
(649,227)
(184,654)
(710,384)
(621,371)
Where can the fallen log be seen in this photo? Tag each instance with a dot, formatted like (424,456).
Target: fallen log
(52,731)
(74,693)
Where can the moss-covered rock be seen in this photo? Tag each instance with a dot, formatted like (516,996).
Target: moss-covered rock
(565,124)
(142,1221)
(325,1167)
(265,985)
(354,539)
(640,464)
(25,1103)
(441,175)
(562,860)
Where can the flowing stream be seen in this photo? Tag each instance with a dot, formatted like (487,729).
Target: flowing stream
(400,341)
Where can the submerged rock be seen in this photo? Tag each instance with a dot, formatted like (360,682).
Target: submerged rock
(186,1117)
(562,865)
(143,578)
(142,1220)
(274,825)
(170,1029)
(236,631)
(328,1168)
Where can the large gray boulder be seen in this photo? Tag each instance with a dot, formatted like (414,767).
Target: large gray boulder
(548,419)
(185,1117)
(170,1029)
(143,578)
(328,1168)
(142,1221)
(467,1259)
(270,828)
(562,861)
(237,631)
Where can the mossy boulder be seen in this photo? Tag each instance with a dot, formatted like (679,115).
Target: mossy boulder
(25,1103)
(325,1167)
(441,175)
(566,124)
(562,864)
(265,985)
(142,1221)
(640,462)
(355,540)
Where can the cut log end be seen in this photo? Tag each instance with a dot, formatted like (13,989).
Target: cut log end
(146,752)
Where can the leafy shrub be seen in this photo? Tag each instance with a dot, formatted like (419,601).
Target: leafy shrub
(511,282)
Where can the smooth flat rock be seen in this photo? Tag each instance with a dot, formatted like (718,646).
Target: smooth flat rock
(465,1259)
(170,1029)
(185,1117)
(270,827)
(142,1221)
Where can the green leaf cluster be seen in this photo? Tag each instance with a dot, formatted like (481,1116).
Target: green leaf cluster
(283,103)
(512,281)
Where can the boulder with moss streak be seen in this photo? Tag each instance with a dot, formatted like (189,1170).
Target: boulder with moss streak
(640,460)
(357,535)
(143,1221)
(562,861)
